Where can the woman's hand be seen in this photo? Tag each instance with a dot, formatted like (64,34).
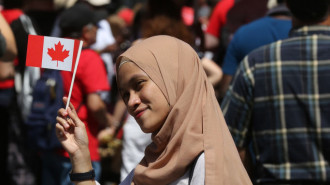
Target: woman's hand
(71,131)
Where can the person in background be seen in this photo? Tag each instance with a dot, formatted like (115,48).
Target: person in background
(78,22)
(244,12)
(274,26)
(169,23)
(279,101)
(105,43)
(43,13)
(8,52)
(213,71)
(216,22)
(23,163)
(165,89)
(214,42)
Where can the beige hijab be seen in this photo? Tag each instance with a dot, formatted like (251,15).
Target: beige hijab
(195,123)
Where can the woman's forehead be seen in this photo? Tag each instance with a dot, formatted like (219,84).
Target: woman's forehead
(123,61)
(129,70)
(126,68)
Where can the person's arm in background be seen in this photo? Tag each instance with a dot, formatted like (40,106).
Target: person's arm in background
(212,70)
(120,110)
(6,60)
(230,64)
(118,115)
(224,85)
(213,28)
(99,111)
(211,41)
(216,22)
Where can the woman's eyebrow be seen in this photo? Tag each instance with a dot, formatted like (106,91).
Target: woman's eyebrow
(132,80)
(134,77)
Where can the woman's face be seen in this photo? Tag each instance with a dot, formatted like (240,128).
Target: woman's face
(144,100)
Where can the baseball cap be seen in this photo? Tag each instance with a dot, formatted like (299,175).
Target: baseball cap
(127,15)
(73,20)
(99,2)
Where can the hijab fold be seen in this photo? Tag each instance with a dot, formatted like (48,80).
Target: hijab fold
(195,122)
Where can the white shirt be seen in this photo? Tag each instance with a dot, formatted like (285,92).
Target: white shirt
(104,37)
(134,144)
(198,175)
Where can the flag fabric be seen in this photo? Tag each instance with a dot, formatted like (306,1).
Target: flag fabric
(51,52)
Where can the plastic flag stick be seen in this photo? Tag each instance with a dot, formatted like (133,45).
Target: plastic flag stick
(74,74)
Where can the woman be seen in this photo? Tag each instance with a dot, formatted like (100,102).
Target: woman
(166,90)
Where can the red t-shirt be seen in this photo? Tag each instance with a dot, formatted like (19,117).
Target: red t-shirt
(219,17)
(90,77)
(10,15)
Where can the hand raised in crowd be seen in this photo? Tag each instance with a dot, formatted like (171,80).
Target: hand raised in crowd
(70,130)
(71,133)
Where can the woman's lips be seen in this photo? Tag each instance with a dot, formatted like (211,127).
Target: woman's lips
(139,114)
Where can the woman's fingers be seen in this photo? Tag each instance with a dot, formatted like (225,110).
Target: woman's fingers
(61,120)
(73,118)
(60,132)
(70,122)
(65,100)
(62,112)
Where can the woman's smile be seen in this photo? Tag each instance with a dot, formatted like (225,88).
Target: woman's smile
(143,98)
(139,113)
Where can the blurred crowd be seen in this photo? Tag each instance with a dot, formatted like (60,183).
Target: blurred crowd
(222,32)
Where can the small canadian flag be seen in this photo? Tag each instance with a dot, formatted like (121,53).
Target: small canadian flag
(51,52)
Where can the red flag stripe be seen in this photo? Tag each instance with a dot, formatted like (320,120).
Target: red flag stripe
(75,52)
(35,47)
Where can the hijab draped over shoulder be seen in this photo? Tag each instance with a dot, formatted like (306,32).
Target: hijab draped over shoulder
(195,123)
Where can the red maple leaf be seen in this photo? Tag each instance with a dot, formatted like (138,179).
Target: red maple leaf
(58,54)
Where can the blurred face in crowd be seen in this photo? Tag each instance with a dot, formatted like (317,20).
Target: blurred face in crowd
(143,98)
(89,34)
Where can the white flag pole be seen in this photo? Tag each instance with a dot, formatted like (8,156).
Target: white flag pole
(74,74)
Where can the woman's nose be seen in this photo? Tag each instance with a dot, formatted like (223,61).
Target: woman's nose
(133,101)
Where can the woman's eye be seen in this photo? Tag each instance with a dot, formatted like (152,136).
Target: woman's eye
(139,84)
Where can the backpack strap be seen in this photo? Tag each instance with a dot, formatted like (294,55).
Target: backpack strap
(27,24)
